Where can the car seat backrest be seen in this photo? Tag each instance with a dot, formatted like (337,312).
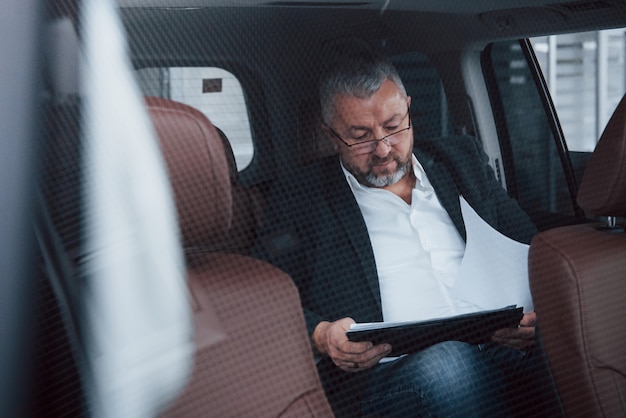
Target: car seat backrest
(191,157)
(198,172)
(577,278)
(602,190)
(253,354)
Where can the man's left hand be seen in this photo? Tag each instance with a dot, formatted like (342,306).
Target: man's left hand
(521,338)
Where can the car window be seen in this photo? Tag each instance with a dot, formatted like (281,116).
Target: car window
(538,173)
(551,118)
(215,92)
(586,75)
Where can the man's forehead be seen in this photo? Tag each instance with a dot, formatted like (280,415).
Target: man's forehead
(355,112)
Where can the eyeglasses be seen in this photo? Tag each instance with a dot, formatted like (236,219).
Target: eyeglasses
(367,143)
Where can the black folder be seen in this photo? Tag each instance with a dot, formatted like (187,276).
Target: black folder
(409,337)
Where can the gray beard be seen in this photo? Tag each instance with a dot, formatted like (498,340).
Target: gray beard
(372,180)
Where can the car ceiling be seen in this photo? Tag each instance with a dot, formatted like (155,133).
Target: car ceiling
(438,6)
(426,25)
(480,19)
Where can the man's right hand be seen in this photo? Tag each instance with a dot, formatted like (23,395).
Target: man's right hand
(330,339)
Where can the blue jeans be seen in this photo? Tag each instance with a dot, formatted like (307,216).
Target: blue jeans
(454,379)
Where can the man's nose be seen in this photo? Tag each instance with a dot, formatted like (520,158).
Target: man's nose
(382,148)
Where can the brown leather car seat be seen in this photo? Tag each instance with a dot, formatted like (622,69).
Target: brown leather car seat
(578,283)
(248,207)
(253,355)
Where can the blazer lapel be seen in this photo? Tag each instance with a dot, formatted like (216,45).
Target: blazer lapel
(348,214)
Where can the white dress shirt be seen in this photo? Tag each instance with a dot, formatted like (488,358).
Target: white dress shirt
(416,247)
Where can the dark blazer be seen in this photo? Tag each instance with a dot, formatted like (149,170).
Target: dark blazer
(315,232)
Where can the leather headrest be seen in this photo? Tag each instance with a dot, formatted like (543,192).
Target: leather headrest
(197,169)
(312,141)
(602,190)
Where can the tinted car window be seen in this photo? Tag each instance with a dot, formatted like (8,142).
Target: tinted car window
(215,92)
(534,162)
(586,75)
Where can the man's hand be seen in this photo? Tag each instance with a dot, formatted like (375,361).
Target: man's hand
(521,338)
(330,339)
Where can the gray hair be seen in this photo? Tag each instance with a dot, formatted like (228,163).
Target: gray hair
(358,73)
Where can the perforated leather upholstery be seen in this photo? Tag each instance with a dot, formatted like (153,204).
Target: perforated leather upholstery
(253,355)
(578,283)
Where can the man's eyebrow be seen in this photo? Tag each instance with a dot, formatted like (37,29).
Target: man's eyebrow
(367,128)
(359,128)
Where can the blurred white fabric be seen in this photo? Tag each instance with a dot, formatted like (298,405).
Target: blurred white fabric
(138,321)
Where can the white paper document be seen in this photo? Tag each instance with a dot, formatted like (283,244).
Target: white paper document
(494,270)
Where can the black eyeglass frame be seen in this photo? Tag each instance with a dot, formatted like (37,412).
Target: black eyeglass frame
(408,113)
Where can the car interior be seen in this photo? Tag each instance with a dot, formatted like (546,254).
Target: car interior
(230,91)
(581,303)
